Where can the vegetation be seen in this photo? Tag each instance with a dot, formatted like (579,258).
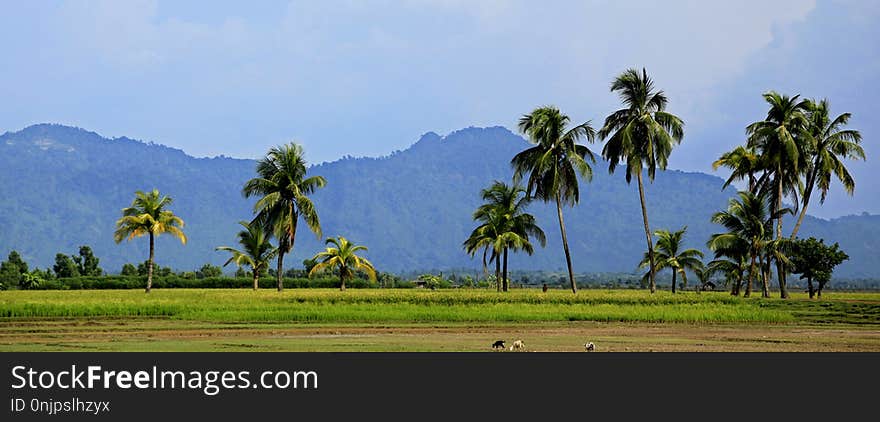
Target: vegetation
(148,215)
(814,260)
(669,254)
(505,225)
(342,257)
(256,251)
(283,188)
(554,163)
(641,135)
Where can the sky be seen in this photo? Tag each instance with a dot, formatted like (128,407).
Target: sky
(366,78)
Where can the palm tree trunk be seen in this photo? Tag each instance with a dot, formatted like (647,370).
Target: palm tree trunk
(279,270)
(150,264)
(497,272)
(673,280)
(341,280)
(810,286)
(574,288)
(780,267)
(647,232)
(256,279)
(506,282)
(765,282)
(808,191)
(751,275)
(485,267)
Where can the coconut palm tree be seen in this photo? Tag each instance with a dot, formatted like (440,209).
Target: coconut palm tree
(748,222)
(744,163)
(342,257)
(642,135)
(256,250)
(779,140)
(829,145)
(668,253)
(485,237)
(554,163)
(732,267)
(149,215)
(283,188)
(505,204)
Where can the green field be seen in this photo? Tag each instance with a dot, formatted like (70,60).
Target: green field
(312,319)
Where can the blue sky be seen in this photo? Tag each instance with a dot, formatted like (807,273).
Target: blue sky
(368,77)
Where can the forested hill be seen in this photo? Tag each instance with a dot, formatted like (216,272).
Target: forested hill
(63,187)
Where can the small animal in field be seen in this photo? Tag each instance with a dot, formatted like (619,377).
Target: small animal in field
(589,346)
(517,345)
(498,345)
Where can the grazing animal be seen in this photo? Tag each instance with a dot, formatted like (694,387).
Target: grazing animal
(517,345)
(498,344)
(589,346)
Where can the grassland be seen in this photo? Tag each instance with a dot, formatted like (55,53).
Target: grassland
(226,319)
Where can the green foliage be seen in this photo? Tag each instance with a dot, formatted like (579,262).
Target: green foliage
(815,261)
(209,270)
(87,262)
(128,270)
(30,281)
(342,257)
(283,190)
(65,267)
(256,250)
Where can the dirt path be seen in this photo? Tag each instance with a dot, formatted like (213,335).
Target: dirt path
(164,335)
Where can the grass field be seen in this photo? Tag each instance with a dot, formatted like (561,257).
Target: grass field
(455,320)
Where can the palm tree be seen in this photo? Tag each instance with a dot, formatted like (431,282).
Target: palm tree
(506,224)
(283,188)
(748,223)
(642,135)
(744,163)
(256,250)
(830,144)
(733,267)
(486,237)
(343,257)
(668,254)
(704,274)
(554,163)
(148,215)
(779,140)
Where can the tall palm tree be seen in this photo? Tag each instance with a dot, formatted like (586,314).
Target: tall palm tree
(642,135)
(256,250)
(743,162)
(343,257)
(669,254)
(554,163)
(148,215)
(829,144)
(512,227)
(778,138)
(283,188)
(748,223)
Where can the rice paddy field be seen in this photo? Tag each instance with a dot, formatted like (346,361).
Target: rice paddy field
(424,320)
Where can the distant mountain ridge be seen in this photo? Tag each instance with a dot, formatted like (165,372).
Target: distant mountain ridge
(64,187)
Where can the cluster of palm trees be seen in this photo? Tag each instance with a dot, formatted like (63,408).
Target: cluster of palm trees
(797,149)
(640,135)
(283,190)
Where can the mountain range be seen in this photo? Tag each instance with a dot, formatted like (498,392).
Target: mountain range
(63,187)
